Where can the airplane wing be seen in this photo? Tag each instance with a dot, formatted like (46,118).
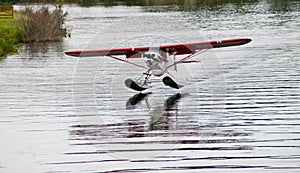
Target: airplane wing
(128,52)
(191,48)
(174,49)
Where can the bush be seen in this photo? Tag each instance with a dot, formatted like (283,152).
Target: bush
(42,24)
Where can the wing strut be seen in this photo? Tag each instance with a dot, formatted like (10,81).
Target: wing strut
(184,60)
(132,63)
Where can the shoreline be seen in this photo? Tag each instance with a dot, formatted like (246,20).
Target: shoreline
(31,25)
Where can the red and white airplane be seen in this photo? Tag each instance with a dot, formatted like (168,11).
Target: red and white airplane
(158,60)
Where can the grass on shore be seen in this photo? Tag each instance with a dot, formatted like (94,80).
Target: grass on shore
(10,36)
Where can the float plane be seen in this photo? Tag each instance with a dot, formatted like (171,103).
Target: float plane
(158,60)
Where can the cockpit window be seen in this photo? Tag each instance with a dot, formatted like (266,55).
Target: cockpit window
(149,56)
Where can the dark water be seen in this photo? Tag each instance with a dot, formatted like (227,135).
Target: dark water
(63,114)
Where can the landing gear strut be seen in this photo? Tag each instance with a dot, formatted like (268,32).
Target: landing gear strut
(146,76)
(141,83)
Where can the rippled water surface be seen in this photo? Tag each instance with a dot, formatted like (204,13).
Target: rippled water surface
(63,114)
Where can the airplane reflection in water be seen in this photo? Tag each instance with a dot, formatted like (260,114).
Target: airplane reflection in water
(160,115)
(163,121)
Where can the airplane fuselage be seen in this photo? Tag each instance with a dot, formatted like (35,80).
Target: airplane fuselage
(156,62)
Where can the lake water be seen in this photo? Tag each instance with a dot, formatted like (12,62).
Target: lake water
(64,114)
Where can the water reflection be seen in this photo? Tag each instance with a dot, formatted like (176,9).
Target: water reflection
(192,5)
(136,99)
(160,116)
(42,49)
(282,5)
(186,3)
(168,127)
